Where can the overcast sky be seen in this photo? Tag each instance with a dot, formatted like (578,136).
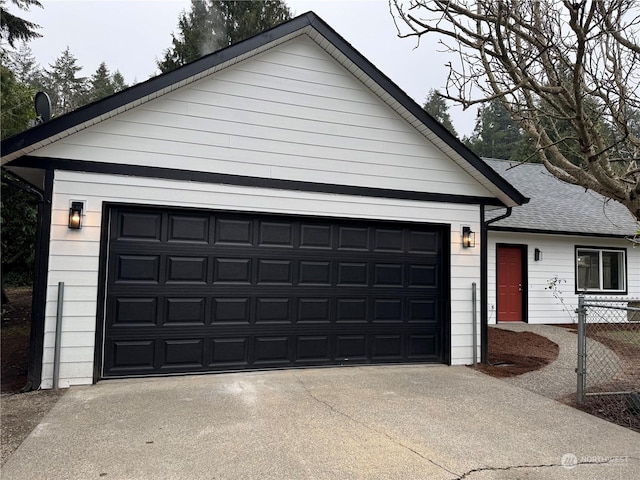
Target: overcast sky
(129,35)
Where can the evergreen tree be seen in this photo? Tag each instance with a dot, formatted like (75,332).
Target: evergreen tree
(16,104)
(66,89)
(214,24)
(17,208)
(15,28)
(24,66)
(103,83)
(496,135)
(437,107)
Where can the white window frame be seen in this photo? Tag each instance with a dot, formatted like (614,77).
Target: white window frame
(600,251)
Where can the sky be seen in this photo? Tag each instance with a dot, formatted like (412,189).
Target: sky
(129,35)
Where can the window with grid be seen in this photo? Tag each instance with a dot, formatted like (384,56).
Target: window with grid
(601,270)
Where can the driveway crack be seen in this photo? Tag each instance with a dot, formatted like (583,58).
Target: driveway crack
(516,467)
(369,427)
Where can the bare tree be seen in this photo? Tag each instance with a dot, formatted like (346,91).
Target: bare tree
(566,71)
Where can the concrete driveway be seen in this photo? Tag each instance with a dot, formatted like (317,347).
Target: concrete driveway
(395,422)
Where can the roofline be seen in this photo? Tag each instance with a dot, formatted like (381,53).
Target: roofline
(137,92)
(497,228)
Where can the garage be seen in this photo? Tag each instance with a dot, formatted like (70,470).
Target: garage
(196,291)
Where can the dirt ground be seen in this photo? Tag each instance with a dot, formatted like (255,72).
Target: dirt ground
(515,353)
(20,412)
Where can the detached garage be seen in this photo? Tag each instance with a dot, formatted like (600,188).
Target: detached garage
(279,203)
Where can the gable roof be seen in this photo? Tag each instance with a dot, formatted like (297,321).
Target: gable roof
(559,207)
(310,24)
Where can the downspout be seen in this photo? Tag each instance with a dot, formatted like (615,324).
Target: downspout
(484,276)
(43,230)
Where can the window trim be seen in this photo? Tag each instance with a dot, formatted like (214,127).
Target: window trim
(579,291)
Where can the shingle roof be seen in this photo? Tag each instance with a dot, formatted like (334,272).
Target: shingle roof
(559,207)
(26,142)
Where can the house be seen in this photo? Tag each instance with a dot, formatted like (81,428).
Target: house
(278,203)
(564,242)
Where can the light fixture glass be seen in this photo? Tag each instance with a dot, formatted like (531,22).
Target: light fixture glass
(75,216)
(468,237)
(537,255)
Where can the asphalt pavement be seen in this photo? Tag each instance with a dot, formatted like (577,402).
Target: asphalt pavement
(372,422)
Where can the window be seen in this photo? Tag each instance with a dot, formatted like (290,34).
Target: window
(600,270)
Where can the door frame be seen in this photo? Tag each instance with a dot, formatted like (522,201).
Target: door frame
(524,251)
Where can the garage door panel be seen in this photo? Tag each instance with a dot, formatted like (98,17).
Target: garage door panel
(313,348)
(138,226)
(232,270)
(351,347)
(186,269)
(276,234)
(233,231)
(184,311)
(188,228)
(182,353)
(387,347)
(132,356)
(229,352)
(231,310)
(192,291)
(137,268)
(134,312)
(273,310)
(272,350)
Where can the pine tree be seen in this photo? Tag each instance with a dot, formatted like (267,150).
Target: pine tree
(65,88)
(15,28)
(437,107)
(214,24)
(497,136)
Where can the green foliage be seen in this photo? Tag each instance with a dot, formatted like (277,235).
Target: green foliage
(214,24)
(103,84)
(18,212)
(65,88)
(16,104)
(496,135)
(14,28)
(437,107)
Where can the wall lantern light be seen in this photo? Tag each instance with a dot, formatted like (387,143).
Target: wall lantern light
(537,255)
(75,215)
(468,237)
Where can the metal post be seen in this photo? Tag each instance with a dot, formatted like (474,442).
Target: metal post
(475,321)
(582,317)
(56,350)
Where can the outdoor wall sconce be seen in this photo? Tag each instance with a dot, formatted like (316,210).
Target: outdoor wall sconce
(468,237)
(75,215)
(537,255)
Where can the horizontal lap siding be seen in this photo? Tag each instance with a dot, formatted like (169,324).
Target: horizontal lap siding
(558,259)
(74,255)
(290,113)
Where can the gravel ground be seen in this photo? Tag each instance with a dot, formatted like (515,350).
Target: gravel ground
(20,415)
(558,379)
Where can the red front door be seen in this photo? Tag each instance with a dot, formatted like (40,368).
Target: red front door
(509,284)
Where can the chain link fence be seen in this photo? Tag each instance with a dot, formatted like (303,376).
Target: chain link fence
(609,358)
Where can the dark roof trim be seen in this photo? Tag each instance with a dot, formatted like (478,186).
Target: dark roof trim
(120,99)
(245,181)
(555,232)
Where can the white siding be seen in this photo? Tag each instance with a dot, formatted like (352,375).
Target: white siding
(558,260)
(74,253)
(292,113)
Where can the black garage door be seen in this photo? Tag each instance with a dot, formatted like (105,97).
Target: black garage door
(191,291)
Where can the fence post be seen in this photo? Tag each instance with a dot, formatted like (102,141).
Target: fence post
(582,318)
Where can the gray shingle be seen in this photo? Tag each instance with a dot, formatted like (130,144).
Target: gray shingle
(556,206)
